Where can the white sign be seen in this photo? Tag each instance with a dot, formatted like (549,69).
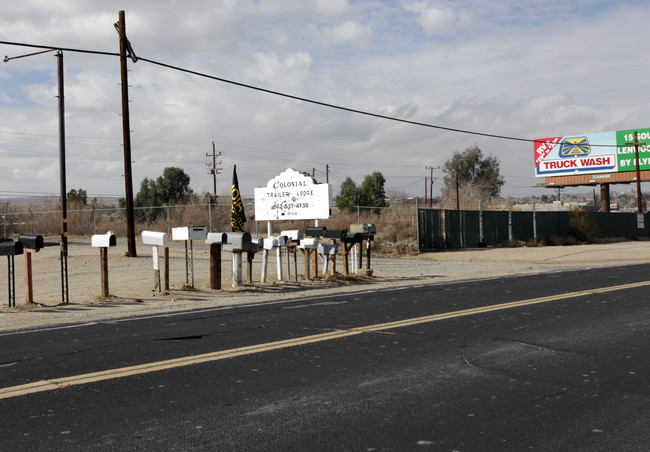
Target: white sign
(293,196)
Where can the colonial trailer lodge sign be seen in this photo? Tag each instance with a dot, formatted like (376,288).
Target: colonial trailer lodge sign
(293,196)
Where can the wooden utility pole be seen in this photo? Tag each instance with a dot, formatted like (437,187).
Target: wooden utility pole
(213,167)
(120,26)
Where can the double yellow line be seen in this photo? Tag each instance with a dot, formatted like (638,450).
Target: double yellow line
(58,383)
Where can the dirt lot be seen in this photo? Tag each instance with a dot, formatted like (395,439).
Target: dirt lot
(132,279)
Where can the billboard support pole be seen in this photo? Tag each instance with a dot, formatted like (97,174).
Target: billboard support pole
(636,144)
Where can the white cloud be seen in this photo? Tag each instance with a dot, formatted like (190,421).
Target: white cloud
(348,31)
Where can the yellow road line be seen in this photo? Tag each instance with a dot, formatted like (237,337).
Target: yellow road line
(57,383)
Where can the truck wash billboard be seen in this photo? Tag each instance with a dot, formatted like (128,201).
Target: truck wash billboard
(605,152)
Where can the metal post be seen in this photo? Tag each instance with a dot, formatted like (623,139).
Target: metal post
(534,221)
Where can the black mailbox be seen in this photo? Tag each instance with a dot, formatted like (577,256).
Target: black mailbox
(352,237)
(31,241)
(11,248)
(315,231)
(336,234)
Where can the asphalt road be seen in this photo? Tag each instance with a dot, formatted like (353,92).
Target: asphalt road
(553,362)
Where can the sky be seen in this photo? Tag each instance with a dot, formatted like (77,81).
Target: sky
(527,70)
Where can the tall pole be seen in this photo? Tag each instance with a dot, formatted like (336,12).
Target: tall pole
(64,210)
(126,132)
(636,144)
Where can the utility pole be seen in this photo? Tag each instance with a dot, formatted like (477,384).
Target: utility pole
(327,174)
(431,168)
(64,209)
(214,171)
(125,50)
(213,167)
(636,144)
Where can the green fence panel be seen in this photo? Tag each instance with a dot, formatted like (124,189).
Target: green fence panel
(430,229)
(495,227)
(551,224)
(522,226)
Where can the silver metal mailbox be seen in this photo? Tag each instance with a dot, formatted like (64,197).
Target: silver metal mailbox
(155,238)
(238,242)
(327,250)
(218,238)
(103,240)
(189,233)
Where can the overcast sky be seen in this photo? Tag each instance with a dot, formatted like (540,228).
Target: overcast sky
(532,69)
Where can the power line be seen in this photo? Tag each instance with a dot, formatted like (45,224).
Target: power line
(291,96)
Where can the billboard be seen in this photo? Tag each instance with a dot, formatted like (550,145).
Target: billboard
(605,152)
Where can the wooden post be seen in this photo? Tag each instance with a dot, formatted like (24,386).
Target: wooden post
(215,266)
(306,253)
(346,266)
(315,264)
(103,259)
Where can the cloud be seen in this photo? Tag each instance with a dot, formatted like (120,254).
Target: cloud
(347,31)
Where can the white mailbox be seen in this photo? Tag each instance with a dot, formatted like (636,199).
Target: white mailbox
(293,234)
(190,233)
(308,244)
(155,238)
(217,238)
(103,240)
(271,243)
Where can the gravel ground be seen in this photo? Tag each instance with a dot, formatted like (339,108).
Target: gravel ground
(132,279)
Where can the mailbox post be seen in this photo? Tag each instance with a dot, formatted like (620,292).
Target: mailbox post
(103,241)
(188,234)
(31,244)
(10,249)
(294,236)
(237,243)
(216,241)
(368,232)
(315,232)
(156,239)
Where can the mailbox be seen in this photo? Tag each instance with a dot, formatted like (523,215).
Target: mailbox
(190,233)
(308,244)
(103,240)
(257,244)
(238,242)
(283,240)
(336,234)
(327,250)
(31,241)
(11,248)
(316,231)
(365,229)
(155,238)
(293,235)
(217,238)
(352,237)
(271,243)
